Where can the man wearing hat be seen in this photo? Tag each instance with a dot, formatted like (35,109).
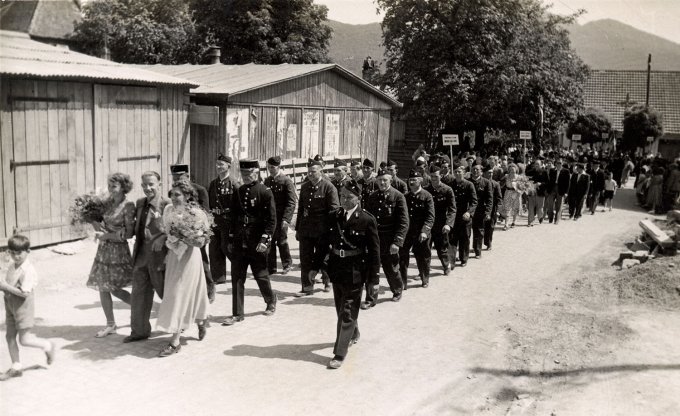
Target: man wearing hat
(253,221)
(444,215)
(596,189)
(466,204)
(482,213)
(182,171)
(388,206)
(397,183)
(339,174)
(445,171)
(578,189)
(355,171)
(420,219)
(368,182)
(221,190)
(285,199)
(497,198)
(318,200)
(354,260)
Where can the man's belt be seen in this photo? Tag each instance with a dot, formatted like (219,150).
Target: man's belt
(249,219)
(220,211)
(346,253)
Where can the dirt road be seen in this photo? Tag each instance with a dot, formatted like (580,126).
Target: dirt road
(508,334)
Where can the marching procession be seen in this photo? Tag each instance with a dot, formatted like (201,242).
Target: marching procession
(348,226)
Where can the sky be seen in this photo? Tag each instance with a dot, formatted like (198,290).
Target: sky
(659,17)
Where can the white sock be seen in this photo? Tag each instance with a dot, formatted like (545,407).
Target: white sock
(17,366)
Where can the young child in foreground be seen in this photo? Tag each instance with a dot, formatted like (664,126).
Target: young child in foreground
(18,285)
(610,186)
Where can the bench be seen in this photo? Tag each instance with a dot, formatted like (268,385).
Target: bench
(657,234)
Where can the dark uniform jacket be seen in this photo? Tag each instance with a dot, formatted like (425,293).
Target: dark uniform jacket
(390,212)
(444,206)
(368,186)
(253,216)
(466,198)
(540,179)
(558,181)
(484,192)
(317,202)
(399,185)
(354,247)
(285,197)
(420,212)
(578,187)
(339,183)
(448,180)
(220,195)
(202,196)
(597,181)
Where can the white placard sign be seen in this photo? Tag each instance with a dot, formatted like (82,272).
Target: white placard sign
(525,135)
(650,139)
(450,140)
(575,137)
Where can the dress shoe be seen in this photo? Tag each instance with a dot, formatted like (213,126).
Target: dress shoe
(367,305)
(286,270)
(327,287)
(170,350)
(447,271)
(303,293)
(478,256)
(201,332)
(396,298)
(488,248)
(426,284)
(221,280)
(232,320)
(335,363)
(133,338)
(271,308)
(51,353)
(13,373)
(463,264)
(354,340)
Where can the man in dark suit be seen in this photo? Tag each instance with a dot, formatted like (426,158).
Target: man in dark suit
(388,206)
(148,256)
(420,207)
(182,172)
(220,193)
(285,199)
(578,190)
(318,200)
(557,188)
(484,191)
(252,225)
(354,259)
(597,179)
(490,225)
(466,205)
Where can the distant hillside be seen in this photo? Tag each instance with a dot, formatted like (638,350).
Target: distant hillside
(602,44)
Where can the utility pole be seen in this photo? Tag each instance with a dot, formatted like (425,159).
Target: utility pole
(649,71)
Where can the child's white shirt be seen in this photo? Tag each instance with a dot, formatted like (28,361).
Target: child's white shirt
(23,277)
(609,185)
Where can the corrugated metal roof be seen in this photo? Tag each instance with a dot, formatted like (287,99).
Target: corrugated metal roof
(21,56)
(608,90)
(236,79)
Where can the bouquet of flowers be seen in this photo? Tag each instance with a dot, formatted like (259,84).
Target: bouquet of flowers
(187,227)
(524,185)
(88,208)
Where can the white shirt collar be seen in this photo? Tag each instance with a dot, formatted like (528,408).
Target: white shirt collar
(349,213)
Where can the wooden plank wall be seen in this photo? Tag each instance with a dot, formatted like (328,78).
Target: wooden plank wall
(205,144)
(8,217)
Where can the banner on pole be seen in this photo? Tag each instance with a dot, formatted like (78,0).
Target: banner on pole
(450,140)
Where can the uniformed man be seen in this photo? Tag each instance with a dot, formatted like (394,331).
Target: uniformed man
(444,215)
(220,192)
(482,214)
(339,174)
(285,199)
(368,183)
(355,171)
(397,183)
(420,218)
(253,222)
(388,206)
(421,167)
(318,200)
(446,174)
(182,171)
(466,204)
(354,259)
(490,225)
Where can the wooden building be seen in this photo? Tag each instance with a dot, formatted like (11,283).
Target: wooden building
(69,120)
(295,111)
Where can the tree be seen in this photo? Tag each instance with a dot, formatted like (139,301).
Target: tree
(266,31)
(590,125)
(140,31)
(473,64)
(640,122)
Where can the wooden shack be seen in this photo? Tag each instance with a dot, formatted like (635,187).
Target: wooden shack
(294,111)
(69,120)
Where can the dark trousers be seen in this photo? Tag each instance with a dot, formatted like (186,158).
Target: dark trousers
(576,206)
(145,280)
(240,261)
(218,254)
(459,241)
(593,200)
(310,249)
(489,226)
(390,266)
(280,240)
(477,235)
(441,244)
(422,253)
(347,297)
(553,206)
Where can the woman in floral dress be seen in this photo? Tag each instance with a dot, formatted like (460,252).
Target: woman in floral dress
(185,299)
(512,200)
(112,268)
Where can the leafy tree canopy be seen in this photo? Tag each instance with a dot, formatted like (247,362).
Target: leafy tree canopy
(640,122)
(590,125)
(139,31)
(472,64)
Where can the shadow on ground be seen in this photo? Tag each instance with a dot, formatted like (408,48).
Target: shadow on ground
(623,368)
(295,352)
